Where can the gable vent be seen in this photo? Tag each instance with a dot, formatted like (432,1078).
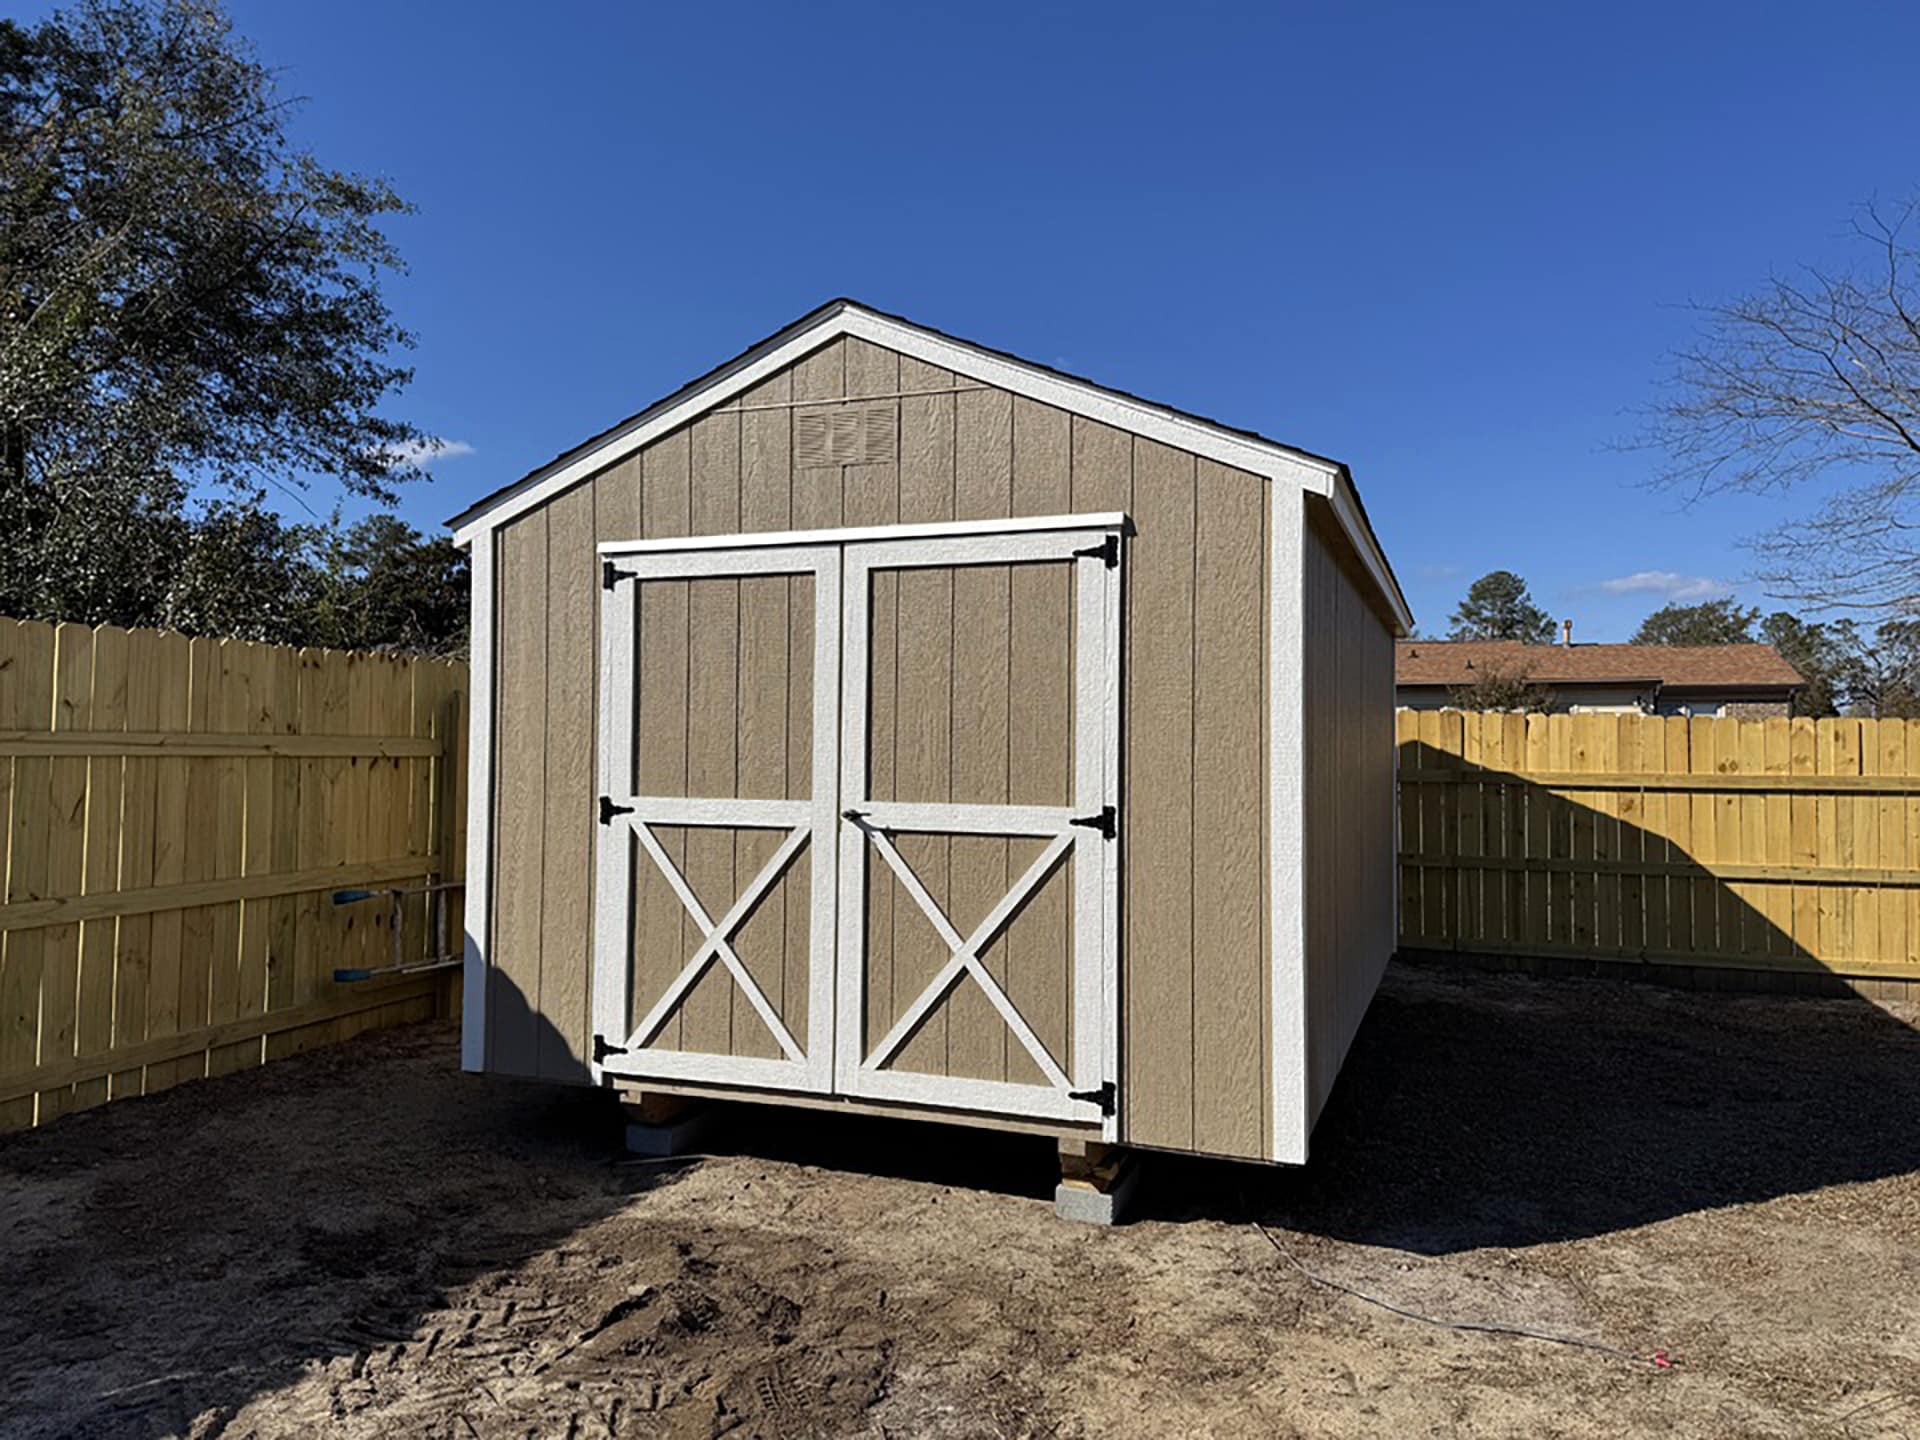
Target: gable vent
(857,436)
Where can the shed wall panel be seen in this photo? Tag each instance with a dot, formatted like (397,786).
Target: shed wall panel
(1193,1073)
(1349,794)
(513,990)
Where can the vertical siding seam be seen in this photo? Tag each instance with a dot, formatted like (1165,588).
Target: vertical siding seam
(546,751)
(686,748)
(953,617)
(1007,872)
(1264,951)
(1007,763)
(1193,799)
(739,679)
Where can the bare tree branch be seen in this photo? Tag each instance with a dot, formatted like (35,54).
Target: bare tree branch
(1814,382)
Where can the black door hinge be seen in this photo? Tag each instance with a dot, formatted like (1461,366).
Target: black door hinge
(601,1049)
(1106,1097)
(608,809)
(1106,822)
(611,574)
(1107,552)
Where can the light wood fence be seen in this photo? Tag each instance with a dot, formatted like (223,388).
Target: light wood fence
(178,813)
(1782,846)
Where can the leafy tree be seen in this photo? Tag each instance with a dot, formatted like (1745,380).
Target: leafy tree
(1879,675)
(1815,381)
(1498,607)
(77,549)
(190,306)
(1812,649)
(183,292)
(1496,687)
(243,573)
(381,585)
(186,300)
(1712,622)
(1849,669)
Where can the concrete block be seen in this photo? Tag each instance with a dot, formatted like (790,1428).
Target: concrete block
(1082,1202)
(675,1137)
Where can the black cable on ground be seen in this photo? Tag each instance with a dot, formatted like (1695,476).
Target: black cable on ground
(1658,1359)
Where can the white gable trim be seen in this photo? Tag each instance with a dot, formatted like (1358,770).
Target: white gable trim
(1260,457)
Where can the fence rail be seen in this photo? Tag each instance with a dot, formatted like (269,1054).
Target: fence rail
(176,813)
(1774,845)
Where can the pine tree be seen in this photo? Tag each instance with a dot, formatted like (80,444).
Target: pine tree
(1498,607)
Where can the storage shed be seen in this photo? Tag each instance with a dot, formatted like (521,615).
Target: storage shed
(883,721)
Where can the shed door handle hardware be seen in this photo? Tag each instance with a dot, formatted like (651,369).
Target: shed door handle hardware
(601,1049)
(1107,552)
(1106,822)
(608,809)
(1105,1097)
(611,574)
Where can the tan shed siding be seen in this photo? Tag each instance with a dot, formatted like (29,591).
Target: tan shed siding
(1194,1014)
(1229,807)
(1348,826)
(566,908)
(520,716)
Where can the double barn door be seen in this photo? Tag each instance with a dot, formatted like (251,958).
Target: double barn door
(858,828)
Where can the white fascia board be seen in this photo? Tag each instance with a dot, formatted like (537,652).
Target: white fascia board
(1346,509)
(853,535)
(1078,397)
(743,374)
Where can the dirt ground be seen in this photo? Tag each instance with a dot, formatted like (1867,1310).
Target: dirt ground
(365,1242)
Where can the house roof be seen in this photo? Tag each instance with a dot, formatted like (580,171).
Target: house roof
(1673,667)
(1244,449)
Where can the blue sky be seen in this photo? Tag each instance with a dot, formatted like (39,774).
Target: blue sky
(1447,244)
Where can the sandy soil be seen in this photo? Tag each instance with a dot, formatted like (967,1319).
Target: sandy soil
(364,1242)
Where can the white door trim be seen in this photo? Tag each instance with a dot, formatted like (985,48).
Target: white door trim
(809,1067)
(1095,991)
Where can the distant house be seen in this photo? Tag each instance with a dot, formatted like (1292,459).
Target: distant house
(1748,681)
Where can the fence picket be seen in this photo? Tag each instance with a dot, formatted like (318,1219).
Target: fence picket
(26,693)
(106,994)
(1529,835)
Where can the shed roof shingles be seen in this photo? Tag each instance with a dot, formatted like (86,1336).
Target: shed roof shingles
(1717,667)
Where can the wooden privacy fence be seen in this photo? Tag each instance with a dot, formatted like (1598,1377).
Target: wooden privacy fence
(178,813)
(1775,845)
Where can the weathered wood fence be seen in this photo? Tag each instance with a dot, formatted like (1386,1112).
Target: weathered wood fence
(1785,846)
(178,813)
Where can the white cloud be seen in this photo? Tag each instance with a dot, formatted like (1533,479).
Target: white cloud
(1667,584)
(428,451)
